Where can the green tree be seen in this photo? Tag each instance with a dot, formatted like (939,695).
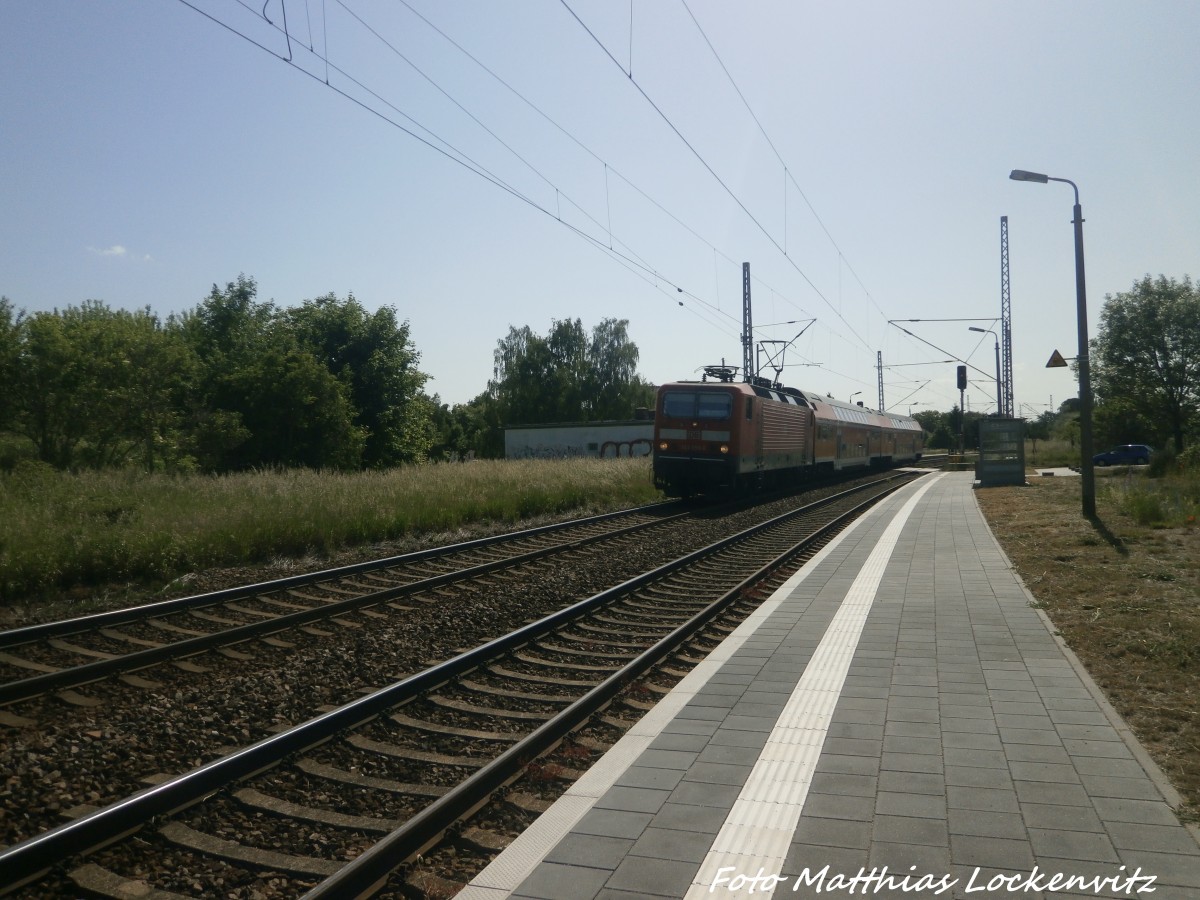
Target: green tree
(96,386)
(1148,352)
(10,348)
(567,376)
(373,355)
(263,396)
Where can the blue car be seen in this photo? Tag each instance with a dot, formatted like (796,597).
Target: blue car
(1125,455)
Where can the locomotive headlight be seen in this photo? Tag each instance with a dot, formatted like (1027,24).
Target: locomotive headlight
(662,445)
(724,448)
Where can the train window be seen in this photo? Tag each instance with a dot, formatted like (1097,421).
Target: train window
(697,404)
(715,406)
(679,404)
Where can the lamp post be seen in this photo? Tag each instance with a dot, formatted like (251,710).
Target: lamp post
(997,337)
(1086,469)
(852,396)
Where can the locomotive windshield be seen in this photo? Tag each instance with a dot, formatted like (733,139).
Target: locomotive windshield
(697,405)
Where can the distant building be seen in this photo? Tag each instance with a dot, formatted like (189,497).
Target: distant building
(596,439)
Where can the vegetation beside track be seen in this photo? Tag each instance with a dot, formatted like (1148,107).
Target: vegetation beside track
(1124,593)
(71,532)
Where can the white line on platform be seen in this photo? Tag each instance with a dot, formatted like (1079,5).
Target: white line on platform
(508,870)
(759,828)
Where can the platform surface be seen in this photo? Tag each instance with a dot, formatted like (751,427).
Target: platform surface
(897,720)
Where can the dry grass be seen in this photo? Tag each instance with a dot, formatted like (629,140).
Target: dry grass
(1126,598)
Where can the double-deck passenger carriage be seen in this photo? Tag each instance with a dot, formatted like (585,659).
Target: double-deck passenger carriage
(723,435)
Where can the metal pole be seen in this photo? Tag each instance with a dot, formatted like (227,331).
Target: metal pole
(1086,448)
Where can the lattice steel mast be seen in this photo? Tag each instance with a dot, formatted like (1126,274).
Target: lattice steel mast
(879,369)
(1007,407)
(748,368)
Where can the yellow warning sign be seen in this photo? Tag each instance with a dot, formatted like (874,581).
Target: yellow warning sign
(1056,361)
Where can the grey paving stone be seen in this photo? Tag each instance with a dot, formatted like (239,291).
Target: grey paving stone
(667,759)
(695,711)
(976,759)
(591,850)
(1158,838)
(912,762)
(1037,753)
(700,819)
(613,823)
(1038,771)
(870,732)
(1106,749)
(986,823)
(833,832)
(912,729)
(916,805)
(646,777)
(847,785)
(762,724)
(814,857)
(694,793)
(912,782)
(910,830)
(668,843)
(1171,868)
(553,881)
(662,877)
(1117,768)
(831,806)
(1002,800)
(853,746)
(1148,812)
(633,799)
(687,742)
(850,765)
(718,773)
(1072,844)
(1001,853)
(1062,818)
(1047,792)
(732,737)
(1128,788)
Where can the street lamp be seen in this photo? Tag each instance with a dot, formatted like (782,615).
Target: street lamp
(1086,469)
(997,337)
(852,396)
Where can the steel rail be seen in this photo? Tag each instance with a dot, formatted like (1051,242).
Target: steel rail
(28,860)
(365,875)
(64,627)
(27,688)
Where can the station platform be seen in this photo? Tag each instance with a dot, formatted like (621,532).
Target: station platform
(897,720)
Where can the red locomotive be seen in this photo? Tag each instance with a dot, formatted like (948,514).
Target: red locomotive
(729,436)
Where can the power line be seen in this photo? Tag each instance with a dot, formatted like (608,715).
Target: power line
(713,172)
(451,152)
(586,149)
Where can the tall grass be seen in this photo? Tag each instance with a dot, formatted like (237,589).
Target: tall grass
(1051,453)
(61,530)
(1172,501)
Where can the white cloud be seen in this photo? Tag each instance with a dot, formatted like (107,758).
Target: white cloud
(120,251)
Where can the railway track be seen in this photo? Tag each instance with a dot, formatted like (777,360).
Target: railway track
(336,804)
(62,655)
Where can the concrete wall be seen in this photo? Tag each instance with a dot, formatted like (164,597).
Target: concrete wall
(606,439)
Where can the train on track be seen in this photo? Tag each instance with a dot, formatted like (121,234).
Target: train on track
(726,436)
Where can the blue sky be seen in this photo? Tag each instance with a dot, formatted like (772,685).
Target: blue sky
(148,152)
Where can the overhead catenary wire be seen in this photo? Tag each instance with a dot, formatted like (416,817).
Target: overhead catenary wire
(670,124)
(448,150)
(609,167)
